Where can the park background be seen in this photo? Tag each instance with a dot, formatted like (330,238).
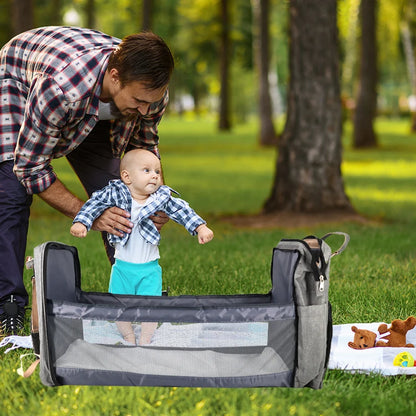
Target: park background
(220,143)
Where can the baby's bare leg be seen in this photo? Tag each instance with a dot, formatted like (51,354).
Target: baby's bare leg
(126,330)
(148,329)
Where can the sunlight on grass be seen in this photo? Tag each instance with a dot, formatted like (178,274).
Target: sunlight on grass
(376,181)
(378,195)
(402,169)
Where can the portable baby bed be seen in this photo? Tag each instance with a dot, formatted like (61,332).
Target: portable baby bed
(281,338)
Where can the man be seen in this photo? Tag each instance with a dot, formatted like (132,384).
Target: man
(77,93)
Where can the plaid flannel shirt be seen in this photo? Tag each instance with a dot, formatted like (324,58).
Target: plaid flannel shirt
(116,193)
(50,83)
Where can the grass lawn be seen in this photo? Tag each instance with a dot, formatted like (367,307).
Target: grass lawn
(219,173)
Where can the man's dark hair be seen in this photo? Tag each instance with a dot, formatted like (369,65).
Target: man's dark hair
(143,57)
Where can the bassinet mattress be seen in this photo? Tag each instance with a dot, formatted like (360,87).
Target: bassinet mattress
(169,362)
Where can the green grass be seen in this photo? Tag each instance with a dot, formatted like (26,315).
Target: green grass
(220,173)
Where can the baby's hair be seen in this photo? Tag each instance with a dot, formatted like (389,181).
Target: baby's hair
(129,157)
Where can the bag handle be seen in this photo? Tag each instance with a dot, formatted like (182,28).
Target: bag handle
(344,244)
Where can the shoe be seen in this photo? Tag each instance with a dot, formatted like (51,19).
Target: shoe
(12,317)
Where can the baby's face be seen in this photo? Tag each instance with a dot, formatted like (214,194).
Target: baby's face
(146,174)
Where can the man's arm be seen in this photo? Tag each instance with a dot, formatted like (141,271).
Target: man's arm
(60,198)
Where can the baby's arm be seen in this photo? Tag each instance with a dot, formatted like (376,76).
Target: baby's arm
(180,211)
(205,235)
(79,230)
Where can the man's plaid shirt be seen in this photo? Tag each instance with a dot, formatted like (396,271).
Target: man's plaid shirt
(50,83)
(116,193)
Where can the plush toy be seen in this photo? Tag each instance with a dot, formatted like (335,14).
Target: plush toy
(404,359)
(395,336)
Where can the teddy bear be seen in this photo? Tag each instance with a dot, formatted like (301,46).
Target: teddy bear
(395,336)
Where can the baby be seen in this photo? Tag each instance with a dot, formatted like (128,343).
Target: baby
(136,270)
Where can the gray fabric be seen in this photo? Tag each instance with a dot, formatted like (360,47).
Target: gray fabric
(45,366)
(203,313)
(312,344)
(181,301)
(283,267)
(186,363)
(307,288)
(296,312)
(312,310)
(81,376)
(61,268)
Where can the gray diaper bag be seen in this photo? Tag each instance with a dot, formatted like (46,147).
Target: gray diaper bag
(280,339)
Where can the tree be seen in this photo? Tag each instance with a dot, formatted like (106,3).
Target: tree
(261,8)
(6,31)
(55,12)
(22,15)
(224,116)
(409,52)
(308,169)
(90,13)
(366,107)
(147,9)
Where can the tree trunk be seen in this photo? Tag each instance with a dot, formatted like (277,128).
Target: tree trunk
(366,107)
(224,116)
(22,15)
(261,10)
(90,13)
(56,12)
(411,64)
(147,15)
(308,170)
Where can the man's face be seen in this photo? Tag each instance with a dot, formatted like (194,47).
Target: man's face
(131,99)
(135,98)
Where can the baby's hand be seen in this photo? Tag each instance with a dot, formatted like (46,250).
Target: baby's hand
(79,230)
(205,235)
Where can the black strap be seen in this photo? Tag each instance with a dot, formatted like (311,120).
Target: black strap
(318,263)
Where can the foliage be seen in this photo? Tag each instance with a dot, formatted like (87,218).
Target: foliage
(393,78)
(373,280)
(5,23)
(191,28)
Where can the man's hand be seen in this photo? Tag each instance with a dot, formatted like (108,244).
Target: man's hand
(159,219)
(115,221)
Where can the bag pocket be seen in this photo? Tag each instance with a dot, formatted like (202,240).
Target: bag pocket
(312,345)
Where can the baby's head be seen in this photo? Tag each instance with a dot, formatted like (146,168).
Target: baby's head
(141,171)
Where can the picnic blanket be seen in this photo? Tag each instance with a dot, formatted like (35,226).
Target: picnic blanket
(371,360)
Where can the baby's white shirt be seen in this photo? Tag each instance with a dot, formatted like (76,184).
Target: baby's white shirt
(136,250)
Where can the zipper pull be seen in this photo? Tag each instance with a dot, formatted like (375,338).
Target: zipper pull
(321,283)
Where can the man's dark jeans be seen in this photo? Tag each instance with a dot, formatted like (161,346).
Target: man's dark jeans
(94,165)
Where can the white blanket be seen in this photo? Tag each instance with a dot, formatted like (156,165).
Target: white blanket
(371,360)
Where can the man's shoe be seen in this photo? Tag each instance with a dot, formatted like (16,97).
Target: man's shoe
(12,317)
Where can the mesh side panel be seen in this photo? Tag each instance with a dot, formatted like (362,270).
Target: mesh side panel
(213,350)
(185,335)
